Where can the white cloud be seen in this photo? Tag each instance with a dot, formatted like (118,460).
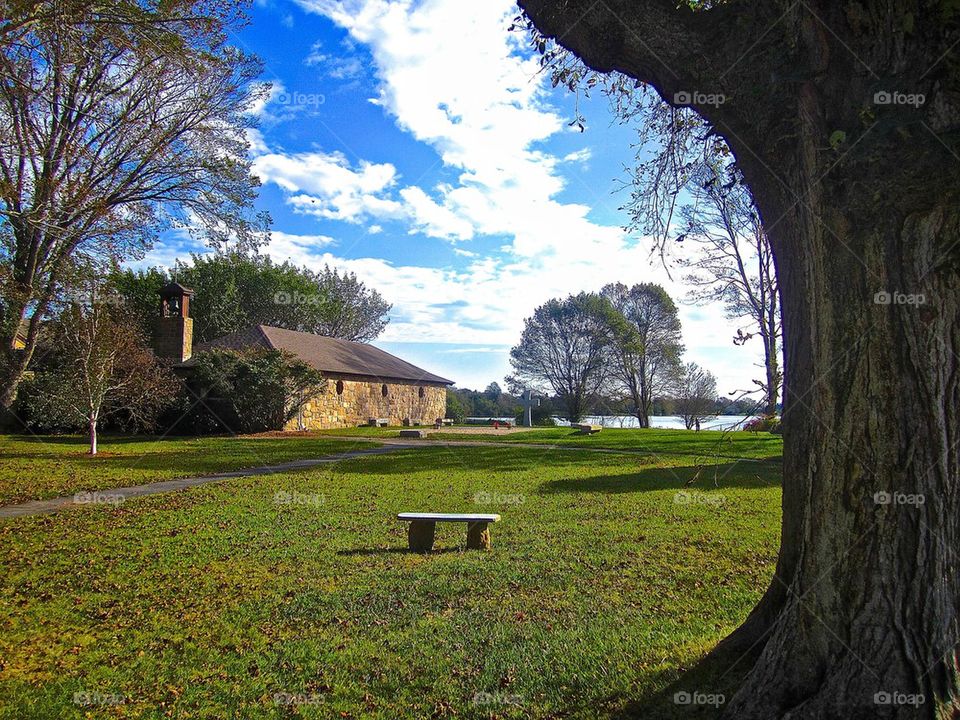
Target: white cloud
(285,245)
(327,186)
(581,155)
(267,93)
(433,219)
(338,67)
(316,55)
(258,145)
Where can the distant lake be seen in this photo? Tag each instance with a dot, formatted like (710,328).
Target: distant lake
(667,422)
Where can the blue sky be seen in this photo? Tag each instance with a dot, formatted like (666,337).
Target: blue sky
(416,144)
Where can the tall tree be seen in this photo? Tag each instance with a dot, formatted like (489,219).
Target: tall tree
(563,347)
(236,290)
(352,310)
(845,121)
(696,394)
(646,347)
(733,263)
(119,119)
(102,366)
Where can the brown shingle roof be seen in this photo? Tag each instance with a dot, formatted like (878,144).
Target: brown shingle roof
(326,354)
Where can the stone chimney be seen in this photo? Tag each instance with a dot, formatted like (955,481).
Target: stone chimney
(174,337)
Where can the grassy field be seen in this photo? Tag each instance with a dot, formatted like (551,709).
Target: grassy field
(609,576)
(40,467)
(707,443)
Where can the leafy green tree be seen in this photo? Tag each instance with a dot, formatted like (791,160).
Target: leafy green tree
(456,409)
(236,290)
(645,342)
(119,119)
(563,347)
(251,391)
(696,394)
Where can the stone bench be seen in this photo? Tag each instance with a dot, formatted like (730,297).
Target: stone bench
(378,422)
(413,433)
(587,429)
(423,527)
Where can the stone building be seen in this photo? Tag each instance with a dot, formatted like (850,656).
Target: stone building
(364,383)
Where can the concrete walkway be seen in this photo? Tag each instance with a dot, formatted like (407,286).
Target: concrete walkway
(119,495)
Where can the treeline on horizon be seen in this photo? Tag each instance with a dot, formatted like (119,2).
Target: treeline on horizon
(493,402)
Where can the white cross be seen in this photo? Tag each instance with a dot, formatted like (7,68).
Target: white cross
(529,402)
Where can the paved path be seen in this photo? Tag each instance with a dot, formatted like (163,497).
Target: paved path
(118,495)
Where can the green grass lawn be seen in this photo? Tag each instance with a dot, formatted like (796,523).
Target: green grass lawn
(602,587)
(720,443)
(40,467)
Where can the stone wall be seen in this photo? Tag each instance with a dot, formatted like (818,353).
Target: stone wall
(174,338)
(348,403)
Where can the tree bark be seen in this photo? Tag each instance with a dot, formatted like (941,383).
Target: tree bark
(639,402)
(772,367)
(92,430)
(14,361)
(860,200)
(11,375)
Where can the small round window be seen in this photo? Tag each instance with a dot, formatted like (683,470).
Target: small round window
(339,387)
(421,392)
(383,390)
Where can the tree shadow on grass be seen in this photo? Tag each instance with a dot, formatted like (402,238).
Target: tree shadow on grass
(478,459)
(174,464)
(105,439)
(699,693)
(692,478)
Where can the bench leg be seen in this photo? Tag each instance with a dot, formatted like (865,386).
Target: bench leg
(420,535)
(478,537)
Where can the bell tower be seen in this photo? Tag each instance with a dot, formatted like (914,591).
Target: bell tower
(175,326)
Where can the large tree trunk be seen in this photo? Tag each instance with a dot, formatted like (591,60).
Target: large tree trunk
(12,369)
(858,198)
(640,402)
(645,408)
(14,360)
(867,587)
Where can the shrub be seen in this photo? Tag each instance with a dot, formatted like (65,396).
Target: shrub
(245,392)
(763,423)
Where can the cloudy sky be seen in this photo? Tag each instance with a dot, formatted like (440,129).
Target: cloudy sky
(415,144)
